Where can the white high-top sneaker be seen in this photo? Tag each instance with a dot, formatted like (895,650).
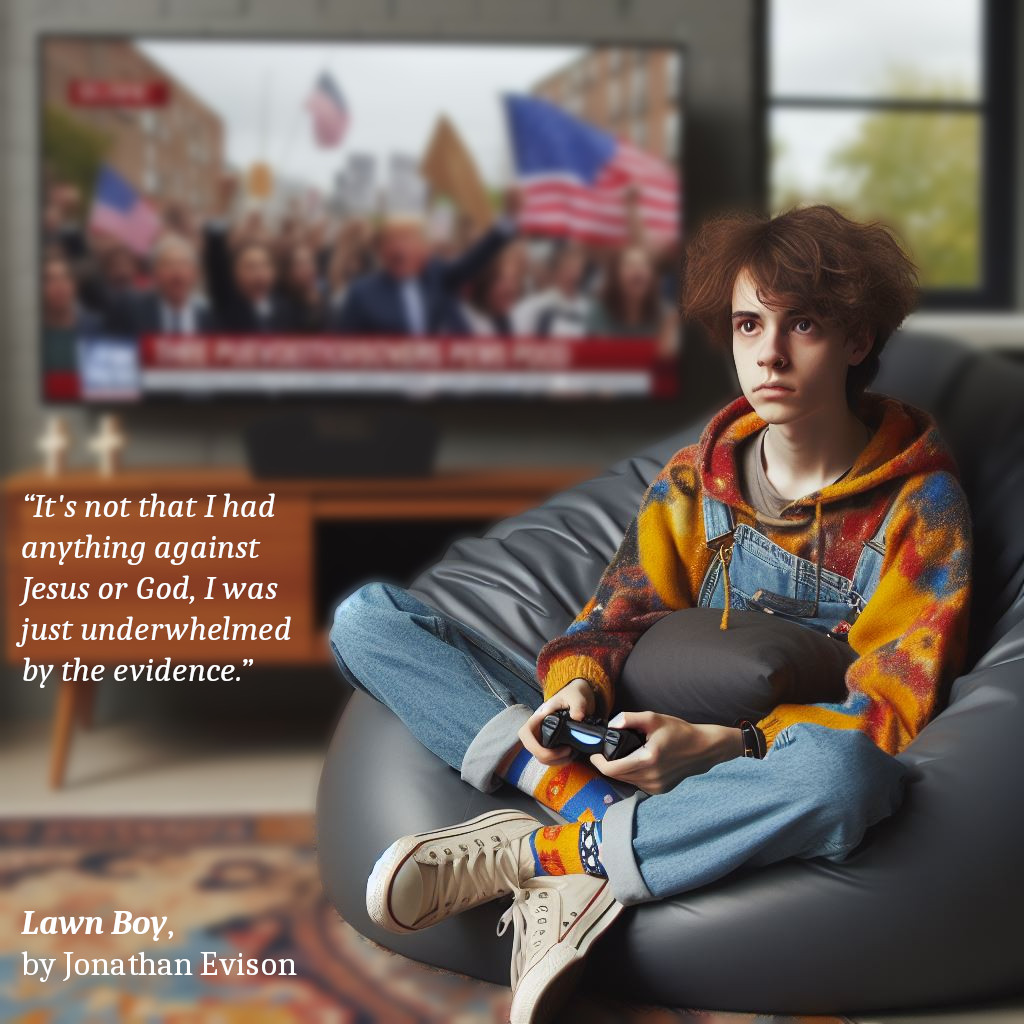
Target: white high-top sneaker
(556,919)
(422,879)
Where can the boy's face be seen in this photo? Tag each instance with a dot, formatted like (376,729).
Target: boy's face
(788,362)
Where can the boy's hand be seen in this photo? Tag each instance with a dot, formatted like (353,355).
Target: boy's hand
(675,749)
(578,697)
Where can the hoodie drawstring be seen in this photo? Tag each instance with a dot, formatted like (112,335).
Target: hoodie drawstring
(724,624)
(817,553)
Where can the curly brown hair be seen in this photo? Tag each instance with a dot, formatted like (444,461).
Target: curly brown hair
(853,276)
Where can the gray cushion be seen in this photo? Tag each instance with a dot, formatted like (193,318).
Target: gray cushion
(925,913)
(686,665)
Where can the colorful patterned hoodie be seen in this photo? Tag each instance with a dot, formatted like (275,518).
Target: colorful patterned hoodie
(910,637)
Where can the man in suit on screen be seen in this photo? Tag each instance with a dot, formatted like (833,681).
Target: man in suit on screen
(173,306)
(412,294)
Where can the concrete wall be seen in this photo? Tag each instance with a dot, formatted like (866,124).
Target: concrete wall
(1019,93)
(6,245)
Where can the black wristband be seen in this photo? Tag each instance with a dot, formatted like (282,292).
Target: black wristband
(754,743)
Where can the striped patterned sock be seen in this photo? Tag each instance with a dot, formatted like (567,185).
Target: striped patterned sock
(577,790)
(568,849)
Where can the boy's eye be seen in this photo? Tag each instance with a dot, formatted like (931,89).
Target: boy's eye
(746,326)
(805,325)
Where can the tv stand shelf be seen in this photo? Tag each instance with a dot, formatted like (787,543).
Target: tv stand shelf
(321,530)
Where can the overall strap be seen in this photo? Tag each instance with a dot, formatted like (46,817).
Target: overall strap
(718,521)
(869,565)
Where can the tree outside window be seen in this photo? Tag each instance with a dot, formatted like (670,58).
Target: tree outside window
(888,127)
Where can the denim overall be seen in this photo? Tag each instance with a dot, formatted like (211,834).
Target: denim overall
(766,577)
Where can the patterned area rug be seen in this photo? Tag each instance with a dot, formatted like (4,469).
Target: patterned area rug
(238,892)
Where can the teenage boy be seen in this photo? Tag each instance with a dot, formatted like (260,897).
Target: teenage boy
(806,487)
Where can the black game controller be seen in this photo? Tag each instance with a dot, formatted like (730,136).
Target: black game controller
(591,736)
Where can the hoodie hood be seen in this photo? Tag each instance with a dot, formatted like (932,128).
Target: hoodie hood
(906,441)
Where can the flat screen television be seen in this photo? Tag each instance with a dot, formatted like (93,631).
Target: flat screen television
(319,218)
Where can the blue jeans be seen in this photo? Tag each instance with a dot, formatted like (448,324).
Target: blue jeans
(465,698)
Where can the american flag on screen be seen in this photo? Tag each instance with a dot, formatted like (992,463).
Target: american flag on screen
(330,111)
(119,211)
(575,177)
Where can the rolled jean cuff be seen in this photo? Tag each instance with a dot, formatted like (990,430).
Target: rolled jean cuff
(616,852)
(491,744)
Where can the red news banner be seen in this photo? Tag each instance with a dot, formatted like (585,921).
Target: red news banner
(94,92)
(487,365)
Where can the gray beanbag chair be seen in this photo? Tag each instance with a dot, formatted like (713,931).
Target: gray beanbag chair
(927,912)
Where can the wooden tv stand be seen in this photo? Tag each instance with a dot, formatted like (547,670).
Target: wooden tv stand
(288,555)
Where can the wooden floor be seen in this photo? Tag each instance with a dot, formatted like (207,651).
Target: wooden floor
(146,768)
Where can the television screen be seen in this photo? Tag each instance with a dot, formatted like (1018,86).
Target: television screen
(320,218)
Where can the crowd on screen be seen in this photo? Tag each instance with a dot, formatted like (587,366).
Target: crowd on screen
(244,274)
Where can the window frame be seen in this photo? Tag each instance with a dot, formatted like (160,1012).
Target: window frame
(996,109)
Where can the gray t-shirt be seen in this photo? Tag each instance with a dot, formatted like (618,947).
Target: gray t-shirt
(755,485)
(754,482)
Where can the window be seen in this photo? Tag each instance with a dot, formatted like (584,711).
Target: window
(672,72)
(614,97)
(639,130)
(581,74)
(670,135)
(889,111)
(638,83)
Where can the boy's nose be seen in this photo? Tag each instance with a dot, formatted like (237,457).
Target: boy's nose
(771,350)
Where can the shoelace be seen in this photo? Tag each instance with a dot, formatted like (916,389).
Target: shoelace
(466,875)
(516,914)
